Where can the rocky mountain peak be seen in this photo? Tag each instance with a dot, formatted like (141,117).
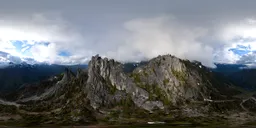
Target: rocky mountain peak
(67,75)
(162,84)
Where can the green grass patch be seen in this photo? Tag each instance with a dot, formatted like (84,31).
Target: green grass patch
(136,77)
(165,82)
(179,75)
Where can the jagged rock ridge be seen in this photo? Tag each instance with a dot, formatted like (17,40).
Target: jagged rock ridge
(163,84)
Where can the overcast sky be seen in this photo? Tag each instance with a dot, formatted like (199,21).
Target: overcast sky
(70,32)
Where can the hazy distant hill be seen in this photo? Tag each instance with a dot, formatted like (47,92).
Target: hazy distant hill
(14,75)
(165,89)
(238,74)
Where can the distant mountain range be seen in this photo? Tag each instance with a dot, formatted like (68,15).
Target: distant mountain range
(239,75)
(13,76)
(165,89)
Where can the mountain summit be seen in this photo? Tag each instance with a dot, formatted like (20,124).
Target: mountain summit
(165,88)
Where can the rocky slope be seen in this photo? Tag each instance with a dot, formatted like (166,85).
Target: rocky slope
(165,88)
(13,76)
(241,75)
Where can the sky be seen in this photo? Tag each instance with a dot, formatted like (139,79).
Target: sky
(70,32)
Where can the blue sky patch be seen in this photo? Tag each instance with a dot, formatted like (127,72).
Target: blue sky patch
(243,47)
(18,45)
(43,43)
(64,53)
(241,50)
(21,44)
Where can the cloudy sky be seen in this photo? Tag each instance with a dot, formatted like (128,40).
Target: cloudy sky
(70,32)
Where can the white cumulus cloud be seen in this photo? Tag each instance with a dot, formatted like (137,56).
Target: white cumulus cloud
(45,36)
(150,37)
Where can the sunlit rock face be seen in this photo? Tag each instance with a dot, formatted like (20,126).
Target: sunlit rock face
(162,85)
(105,75)
(163,81)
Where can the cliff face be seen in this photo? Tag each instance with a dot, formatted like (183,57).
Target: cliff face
(163,84)
(164,81)
(172,78)
(107,83)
